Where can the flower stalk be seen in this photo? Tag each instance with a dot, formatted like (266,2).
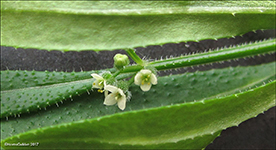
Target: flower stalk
(135,57)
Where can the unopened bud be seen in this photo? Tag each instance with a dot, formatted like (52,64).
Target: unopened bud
(120,60)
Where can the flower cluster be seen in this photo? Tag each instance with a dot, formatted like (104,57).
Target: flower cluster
(116,92)
(117,95)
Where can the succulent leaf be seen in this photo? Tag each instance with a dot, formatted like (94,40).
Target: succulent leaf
(107,25)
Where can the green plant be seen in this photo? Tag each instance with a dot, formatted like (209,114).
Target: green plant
(176,113)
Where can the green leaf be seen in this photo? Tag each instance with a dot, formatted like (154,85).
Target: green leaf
(105,25)
(157,127)
(25,91)
(18,79)
(178,89)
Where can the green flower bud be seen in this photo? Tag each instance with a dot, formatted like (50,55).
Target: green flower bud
(120,60)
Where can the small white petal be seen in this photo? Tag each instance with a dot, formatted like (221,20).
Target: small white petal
(97,77)
(105,93)
(122,102)
(145,87)
(145,71)
(121,92)
(153,79)
(110,99)
(138,78)
(111,88)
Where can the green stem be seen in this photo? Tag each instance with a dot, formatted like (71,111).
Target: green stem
(116,73)
(125,75)
(135,57)
(258,48)
(131,80)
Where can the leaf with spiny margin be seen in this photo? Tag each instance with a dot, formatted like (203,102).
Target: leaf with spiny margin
(25,91)
(107,25)
(17,79)
(168,126)
(179,89)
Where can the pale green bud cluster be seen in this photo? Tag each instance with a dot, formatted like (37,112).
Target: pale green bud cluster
(120,61)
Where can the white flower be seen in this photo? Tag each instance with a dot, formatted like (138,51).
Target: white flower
(144,78)
(99,82)
(116,96)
